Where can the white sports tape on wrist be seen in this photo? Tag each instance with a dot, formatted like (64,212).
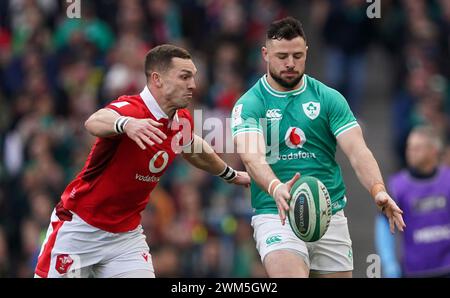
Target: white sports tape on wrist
(276,188)
(271,183)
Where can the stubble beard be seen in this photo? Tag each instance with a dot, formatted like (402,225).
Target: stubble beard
(283,83)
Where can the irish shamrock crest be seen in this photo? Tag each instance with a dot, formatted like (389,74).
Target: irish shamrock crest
(311,109)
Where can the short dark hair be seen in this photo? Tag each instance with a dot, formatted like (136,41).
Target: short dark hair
(287,28)
(160,58)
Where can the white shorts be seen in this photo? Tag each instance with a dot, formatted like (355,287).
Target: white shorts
(332,253)
(76,249)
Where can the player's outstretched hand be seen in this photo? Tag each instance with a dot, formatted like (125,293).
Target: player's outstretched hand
(242,178)
(282,195)
(144,131)
(391,210)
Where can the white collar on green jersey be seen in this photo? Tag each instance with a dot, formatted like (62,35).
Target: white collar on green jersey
(276,93)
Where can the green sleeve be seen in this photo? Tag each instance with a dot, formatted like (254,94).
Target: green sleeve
(245,116)
(340,116)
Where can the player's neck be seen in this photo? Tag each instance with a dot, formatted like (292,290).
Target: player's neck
(425,171)
(167,107)
(171,112)
(163,103)
(280,88)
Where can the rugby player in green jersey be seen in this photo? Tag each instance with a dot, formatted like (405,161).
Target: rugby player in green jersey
(290,123)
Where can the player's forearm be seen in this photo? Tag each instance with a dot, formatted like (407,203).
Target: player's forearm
(366,168)
(252,150)
(202,156)
(258,169)
(101,123)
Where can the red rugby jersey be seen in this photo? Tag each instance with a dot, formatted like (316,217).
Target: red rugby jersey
(115,184)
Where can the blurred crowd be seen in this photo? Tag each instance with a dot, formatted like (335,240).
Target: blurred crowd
(56,71)
(415,36)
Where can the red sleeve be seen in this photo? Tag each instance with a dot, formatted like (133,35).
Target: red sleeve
(124,106)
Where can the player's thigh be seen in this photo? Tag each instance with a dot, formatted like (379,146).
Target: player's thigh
(285,263)
(129,257)
(333,252)
(66,252)
(136,274)
(275,240)
(135,264)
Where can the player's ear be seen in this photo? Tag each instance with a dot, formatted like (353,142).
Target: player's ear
(156,79)
(265,54)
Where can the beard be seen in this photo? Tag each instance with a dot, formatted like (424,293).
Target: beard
(284,83)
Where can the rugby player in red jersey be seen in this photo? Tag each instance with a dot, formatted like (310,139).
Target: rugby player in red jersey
(95,229)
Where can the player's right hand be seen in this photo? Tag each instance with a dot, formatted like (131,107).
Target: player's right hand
(391,210)
(282,196)
(144,132)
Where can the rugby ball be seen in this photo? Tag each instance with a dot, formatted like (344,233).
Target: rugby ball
(310,209)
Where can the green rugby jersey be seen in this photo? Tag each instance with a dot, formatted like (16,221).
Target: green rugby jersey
(304,124)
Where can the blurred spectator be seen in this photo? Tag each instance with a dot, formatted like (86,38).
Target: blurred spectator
(246,260)
(346,52)
(421,86)
(4,255)
(164,21)
(125,74)
(30,21)
(31,239)
(166,261)
(213,261)
(422,191)
(87,29)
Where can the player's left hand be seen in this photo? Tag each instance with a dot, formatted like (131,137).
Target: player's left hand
(394,214)
(242,178)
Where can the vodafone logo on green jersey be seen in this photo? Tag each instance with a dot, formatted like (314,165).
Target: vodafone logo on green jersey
(295,138)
